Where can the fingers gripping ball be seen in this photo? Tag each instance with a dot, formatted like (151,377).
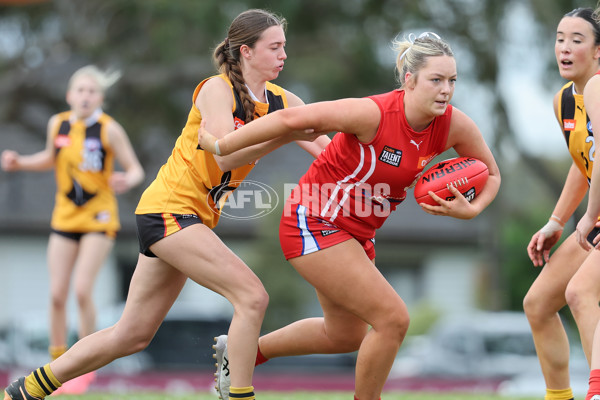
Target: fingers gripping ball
(467,174)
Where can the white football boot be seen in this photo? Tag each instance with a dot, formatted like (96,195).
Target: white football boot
(222,378)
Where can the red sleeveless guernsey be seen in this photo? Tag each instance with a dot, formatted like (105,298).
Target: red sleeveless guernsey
(355,185)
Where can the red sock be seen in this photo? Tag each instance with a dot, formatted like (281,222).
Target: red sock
(594,384)
(260,358)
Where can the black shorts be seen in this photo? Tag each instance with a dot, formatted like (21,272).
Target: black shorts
(592,235)
(153,227)
(76,236)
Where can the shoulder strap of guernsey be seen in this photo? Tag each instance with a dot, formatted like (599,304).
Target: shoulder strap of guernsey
(275,103)
(567,110)
(239,108)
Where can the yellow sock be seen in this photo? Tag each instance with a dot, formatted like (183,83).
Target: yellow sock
(56,351)
(41,382)
(560,394)
(243,393)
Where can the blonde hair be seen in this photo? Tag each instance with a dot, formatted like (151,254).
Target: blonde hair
(105,79)
(413,53)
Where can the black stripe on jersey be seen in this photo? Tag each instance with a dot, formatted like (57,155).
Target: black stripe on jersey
(239,108)
(65,128)
(567,109)
(93,131)
(78,195)
(220,190)
(275,102)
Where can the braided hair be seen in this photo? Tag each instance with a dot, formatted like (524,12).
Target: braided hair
(245,29)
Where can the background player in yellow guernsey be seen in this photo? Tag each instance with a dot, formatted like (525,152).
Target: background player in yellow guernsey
(177,212)
(571,275)
(81,145)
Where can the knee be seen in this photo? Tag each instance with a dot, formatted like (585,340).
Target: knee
(532,306)
(398,324)
(130,341)
(259,300)
(577,298)
(83,297)
(394,323)
(58,300)
(255,301)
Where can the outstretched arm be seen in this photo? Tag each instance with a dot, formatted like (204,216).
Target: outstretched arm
(215,103)
(353,116)
(315,147)
(40,161)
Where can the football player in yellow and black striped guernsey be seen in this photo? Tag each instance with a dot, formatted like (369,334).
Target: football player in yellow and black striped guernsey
(571,275)
(81,146)
(177,211)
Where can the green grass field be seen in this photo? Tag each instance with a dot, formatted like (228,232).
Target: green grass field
(293,396)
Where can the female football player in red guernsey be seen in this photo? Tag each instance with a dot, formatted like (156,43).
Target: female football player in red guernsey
(329,222)
(571,275)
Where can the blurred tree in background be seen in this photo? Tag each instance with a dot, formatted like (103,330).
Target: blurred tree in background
(336,48)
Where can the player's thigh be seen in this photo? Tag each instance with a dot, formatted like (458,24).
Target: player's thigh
(153,289)
(551,283)
(587,278)
(348,279)
(94,248)
(61,256)
(200,254)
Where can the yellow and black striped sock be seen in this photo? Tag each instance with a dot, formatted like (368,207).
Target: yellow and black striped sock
(560,394)
(41,382)
(56,351)
(242,393)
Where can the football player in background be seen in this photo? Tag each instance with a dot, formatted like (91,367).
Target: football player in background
(571,275)
(81,146)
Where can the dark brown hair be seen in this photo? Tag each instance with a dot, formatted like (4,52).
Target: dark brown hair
(245,29)
(590,16)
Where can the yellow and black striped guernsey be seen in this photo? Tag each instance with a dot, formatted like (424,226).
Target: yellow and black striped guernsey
(577,129)
(83,165)
(191,181)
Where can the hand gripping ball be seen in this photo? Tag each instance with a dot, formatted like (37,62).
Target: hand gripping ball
(467,174)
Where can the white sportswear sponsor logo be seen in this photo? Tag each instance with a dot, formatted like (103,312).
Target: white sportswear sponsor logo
(416,144)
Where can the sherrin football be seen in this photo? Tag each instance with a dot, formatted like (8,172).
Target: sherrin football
(467,174)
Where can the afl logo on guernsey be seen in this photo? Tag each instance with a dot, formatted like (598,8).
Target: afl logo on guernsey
(390,156)
(589,127)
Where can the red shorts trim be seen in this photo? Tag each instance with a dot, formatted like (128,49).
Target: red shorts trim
(301,234)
